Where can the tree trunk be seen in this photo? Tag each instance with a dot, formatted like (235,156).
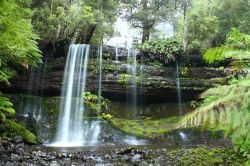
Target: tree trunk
(145,34)
(84,36)
(90,33)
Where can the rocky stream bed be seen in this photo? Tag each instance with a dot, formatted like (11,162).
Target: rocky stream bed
(197,155)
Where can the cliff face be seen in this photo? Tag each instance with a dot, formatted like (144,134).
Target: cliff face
(154,82)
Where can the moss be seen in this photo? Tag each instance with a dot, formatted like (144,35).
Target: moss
(146,128)
(106,116)
(94,67)
(12,130)
(219,80)
(203,156)
(184,71)
(52,105)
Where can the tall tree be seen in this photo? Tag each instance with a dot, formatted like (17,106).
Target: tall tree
(209,21)
(145,14)
(83,21)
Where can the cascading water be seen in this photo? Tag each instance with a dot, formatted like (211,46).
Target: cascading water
(178,85)
(33,104)
(116,55)
(131,70)
(178,88)
(100,76)
(74,129)
(133,84)
(132,92)
(132,97)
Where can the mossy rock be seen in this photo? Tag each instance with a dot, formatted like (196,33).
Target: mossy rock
(146,128)
(12,130)
(204,156)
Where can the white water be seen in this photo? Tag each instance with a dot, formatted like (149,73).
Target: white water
(100,76)
(178,88)
(73,128)
(33,105)
(132,96)
(116,55)
(133,83)
(131,70)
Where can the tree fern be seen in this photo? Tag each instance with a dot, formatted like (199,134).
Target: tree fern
(226,108)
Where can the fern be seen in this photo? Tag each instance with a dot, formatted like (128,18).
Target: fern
(238,40)
(216,54)
(5,75)
(237,47)
(226,108)
(6,109)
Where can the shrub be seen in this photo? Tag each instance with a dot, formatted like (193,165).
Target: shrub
(162,49)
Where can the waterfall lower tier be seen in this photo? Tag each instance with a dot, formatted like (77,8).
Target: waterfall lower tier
(73,127)
(178,88)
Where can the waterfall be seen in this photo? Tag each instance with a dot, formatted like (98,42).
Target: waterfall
(134,84)
(33,104)
(178,88)
(74,129)
(132,71)
(100,76)
(116,55)
(132,95)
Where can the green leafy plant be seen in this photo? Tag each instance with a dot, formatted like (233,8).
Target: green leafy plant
(6,109)
(17,39)
(162,49)
(94,102)
(237,47)
(126,79)
(8,127)
(238,40)
(184,71)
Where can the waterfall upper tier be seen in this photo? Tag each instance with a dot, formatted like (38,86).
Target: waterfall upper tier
(159,82)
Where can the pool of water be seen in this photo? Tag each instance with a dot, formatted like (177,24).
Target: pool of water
(45,111)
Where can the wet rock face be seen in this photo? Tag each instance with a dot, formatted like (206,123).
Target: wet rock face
(154,83)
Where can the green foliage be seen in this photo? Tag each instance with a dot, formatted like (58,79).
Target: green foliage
(106,66)
(238,40)
(227,108)
(208,23)
(6,109)
(216,54)
(94,102)
(155,63)
(237,47)
(13,130)
(184,71)
(124,79)
(202,27)
(17,40)
(9,128)
(107,116)
(147,128)
(146,14)
(164,49)
(82,21)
